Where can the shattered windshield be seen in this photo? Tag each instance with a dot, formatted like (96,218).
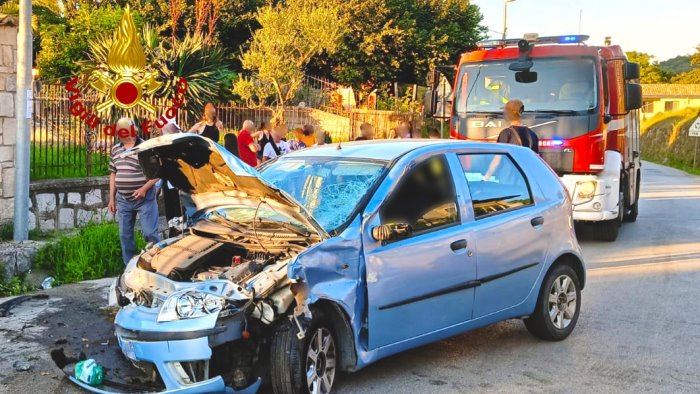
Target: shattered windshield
(330,189)
(562,85)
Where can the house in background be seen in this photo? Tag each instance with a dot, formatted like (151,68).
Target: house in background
(666,97)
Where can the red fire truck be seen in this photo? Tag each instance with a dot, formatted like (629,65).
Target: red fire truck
(583,103)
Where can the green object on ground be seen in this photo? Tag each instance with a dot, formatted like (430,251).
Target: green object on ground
(90,372)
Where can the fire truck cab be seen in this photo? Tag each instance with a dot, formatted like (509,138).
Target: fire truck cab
(583,103)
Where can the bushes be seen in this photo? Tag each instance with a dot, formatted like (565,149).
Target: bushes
(93,252)
(14,286)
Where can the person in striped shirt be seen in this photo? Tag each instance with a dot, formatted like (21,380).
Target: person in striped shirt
(130,193)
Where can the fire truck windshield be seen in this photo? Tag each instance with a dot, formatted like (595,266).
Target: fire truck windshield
(564,86)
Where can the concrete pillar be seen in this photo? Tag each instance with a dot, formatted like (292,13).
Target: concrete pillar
(8,123)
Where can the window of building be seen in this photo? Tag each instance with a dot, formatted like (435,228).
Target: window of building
(671,105)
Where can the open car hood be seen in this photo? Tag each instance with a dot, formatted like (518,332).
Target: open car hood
(213,176)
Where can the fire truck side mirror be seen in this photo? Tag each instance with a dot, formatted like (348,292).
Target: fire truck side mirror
(631,71)
(633,96)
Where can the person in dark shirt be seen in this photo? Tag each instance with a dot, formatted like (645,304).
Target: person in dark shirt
(210,126)
(264,137)
(231,143)
(516,133)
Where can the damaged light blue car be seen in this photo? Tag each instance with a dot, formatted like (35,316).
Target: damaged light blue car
(330,258)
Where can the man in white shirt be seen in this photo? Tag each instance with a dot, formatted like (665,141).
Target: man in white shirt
(277,147)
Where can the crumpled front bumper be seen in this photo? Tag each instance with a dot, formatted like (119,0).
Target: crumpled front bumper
(167,344)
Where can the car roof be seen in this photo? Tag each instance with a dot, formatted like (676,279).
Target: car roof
(391,149)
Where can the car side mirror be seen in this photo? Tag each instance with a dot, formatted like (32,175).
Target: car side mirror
(391,232)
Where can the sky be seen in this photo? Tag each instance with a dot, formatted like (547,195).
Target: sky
(664,29)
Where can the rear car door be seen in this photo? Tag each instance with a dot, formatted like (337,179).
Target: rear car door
(509,231)
(425,282)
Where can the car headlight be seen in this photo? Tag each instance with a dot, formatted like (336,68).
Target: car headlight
(584,191)
(189,305)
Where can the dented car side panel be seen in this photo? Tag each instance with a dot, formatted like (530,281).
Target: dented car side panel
(320,267)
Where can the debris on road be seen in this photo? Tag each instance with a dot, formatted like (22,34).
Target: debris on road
(21,366)
(48,282)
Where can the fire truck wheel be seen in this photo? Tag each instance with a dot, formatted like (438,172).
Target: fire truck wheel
(633,212)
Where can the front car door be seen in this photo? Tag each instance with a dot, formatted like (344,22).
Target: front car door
(424,282)
(510,231)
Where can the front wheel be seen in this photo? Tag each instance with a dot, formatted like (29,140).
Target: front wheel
(303,366)
(558,305)
(633,211)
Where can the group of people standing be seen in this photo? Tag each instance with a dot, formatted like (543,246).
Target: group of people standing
(257,145)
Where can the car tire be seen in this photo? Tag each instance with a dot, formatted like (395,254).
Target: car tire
(293,360)
(554,319)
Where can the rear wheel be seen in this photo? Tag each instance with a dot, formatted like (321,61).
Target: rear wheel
(558,305)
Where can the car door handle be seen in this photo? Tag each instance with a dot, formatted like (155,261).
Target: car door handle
(458,245)
(538,221)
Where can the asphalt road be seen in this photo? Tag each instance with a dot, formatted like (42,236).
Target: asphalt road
(639,329)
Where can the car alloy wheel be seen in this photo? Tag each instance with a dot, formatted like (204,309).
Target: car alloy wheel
(562,301)
(320,362)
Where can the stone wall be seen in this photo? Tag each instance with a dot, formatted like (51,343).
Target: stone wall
(8,124)
(68,203)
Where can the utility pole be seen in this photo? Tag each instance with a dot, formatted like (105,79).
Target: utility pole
(23,113)
(505,16)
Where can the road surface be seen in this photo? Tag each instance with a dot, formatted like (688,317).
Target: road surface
(639,329)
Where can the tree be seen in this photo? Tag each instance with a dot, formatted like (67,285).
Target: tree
(64,44)
(291,34)
(650,71)
(400,40)
(677,65)
(692,76)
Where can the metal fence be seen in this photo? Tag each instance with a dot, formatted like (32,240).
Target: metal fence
(63,146)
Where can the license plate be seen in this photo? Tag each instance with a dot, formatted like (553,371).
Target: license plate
(127,349)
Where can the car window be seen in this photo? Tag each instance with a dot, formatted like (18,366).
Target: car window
(425,198)
(496,184)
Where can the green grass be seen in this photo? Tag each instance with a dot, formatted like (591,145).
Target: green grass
(7,233)
(58,161)
(14,286)
(93,252)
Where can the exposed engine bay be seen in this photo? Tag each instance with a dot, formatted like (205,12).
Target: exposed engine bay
(233,273)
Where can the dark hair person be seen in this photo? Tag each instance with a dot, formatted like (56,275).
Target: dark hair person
(264,137)
(210,126)
(231,143)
